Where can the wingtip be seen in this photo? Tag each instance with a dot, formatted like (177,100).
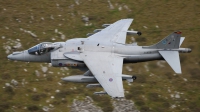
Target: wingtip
(178,71)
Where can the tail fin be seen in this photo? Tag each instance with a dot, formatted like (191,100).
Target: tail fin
(172,41)
(165,46)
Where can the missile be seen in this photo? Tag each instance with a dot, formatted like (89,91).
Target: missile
(92,79)
(89,34)
(105,25)
(97,30)
(93,85)
(80,78)
(134,33)
(100,93)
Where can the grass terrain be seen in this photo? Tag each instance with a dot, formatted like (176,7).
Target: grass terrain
(154,90)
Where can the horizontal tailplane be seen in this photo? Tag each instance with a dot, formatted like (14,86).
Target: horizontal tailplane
(172,58)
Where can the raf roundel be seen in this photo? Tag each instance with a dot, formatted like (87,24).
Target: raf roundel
(110,79)
(60,64)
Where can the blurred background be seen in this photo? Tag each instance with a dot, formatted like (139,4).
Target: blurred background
(37,86)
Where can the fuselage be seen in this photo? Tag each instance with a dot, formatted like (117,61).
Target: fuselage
(130,52)
(67,53)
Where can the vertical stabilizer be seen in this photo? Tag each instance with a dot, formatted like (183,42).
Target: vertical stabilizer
(172,41)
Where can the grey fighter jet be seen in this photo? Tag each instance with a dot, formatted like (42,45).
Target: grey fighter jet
(103,54)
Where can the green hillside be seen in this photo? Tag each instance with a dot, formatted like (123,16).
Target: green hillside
(37,86)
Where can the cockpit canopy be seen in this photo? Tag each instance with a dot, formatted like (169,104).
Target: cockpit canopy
(41,48)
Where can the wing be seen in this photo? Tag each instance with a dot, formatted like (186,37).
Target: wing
(116,32)
(107,69)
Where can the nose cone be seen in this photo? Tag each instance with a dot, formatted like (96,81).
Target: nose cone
(10,56)
(76,78)
(69,79)
(16,56)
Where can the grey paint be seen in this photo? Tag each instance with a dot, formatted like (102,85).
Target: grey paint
(170,42)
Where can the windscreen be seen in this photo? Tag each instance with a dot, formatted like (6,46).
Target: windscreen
(41,48)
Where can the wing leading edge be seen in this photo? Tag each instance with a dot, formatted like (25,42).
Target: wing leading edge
(107,69)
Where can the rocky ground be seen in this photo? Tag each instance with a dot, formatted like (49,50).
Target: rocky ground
(86,105)
(123,105)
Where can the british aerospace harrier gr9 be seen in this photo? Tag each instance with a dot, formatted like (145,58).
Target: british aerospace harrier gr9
(103,54)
